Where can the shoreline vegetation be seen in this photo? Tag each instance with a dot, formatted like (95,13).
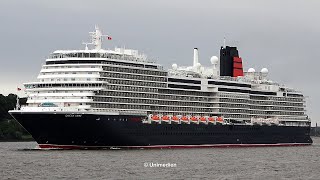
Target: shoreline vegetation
(11,130)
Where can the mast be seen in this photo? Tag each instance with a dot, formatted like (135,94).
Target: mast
(96,38)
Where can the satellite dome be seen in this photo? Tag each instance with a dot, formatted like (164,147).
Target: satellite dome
(214,60)
(251,70)
(264,70)
(174,66)
(198,65)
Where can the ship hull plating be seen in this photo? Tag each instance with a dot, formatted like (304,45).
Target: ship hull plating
(76,131)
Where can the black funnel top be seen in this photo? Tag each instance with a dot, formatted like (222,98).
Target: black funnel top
(226,60)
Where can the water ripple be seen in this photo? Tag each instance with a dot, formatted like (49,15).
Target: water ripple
(22,160)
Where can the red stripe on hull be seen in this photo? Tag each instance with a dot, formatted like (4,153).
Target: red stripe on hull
(54,146)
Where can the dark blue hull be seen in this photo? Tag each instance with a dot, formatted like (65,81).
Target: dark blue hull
(99,131)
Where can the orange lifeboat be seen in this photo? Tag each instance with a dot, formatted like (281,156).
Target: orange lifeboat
(155,118)
(175,118)
(219,119)
(203,119)
(193,118)
(211,119)
(166,118)
(185,118)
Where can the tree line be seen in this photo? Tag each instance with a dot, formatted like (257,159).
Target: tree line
(10,129)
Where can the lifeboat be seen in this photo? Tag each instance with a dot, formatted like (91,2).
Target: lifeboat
(203,119)
(175,118)
(155,118)
(165,118)
(194,119)
(220,119)
(185,119)
(211,119)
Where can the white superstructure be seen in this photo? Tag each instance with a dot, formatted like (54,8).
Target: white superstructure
(123,81)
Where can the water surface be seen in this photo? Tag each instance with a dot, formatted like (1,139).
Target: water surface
(20,160)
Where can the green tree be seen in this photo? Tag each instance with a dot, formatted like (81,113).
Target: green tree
(10,128)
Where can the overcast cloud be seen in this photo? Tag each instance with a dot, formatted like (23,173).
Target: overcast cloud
(282,36)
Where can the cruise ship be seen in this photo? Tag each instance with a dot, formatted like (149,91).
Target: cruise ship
(101,98)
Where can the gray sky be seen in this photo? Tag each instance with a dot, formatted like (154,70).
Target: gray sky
(279,35)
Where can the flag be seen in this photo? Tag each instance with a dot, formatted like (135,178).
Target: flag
(18,89)
(109,38)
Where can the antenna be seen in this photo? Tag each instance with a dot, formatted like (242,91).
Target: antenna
(224,42)
(96,38)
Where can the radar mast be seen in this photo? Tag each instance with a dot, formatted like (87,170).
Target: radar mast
(96,38)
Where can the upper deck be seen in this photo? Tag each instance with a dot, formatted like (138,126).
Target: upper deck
(117,53)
